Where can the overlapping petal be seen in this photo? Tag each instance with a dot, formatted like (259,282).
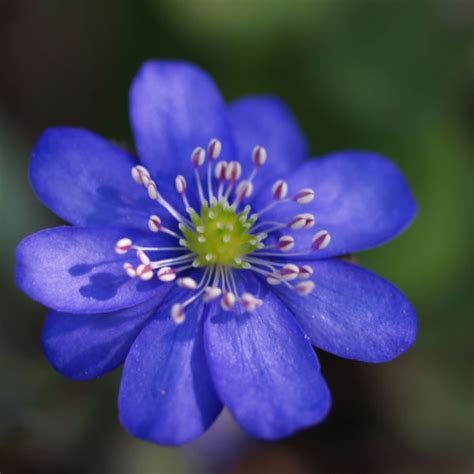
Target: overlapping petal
(175,107)
(353,313)
(86,346)
(86,180)
(362,199)
(75,269)
(166,393)
(267,121)
(264,369)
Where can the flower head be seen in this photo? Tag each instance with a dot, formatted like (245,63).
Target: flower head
(208,267)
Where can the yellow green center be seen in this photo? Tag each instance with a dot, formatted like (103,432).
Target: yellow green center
(221,236)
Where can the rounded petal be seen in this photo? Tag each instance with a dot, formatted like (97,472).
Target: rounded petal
(264,369)
(267,121)
(353,313)
(86,180)
(174,108)
(166,393)
(86,346)
(76,270)
(362,199)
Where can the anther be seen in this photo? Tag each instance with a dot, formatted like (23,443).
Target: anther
(130,270)
(250,302)
(214,148)
(154,223)
(187,282)
(286,243)
(305,272)
(310,220)
(320,240)
(140,174)
(233,171)
(177,313)
(280,190)
(289,272)
(304,196)
(298,222)
(259,156)
(143,257)
(198,157)
(166,274)
(152,191)
(211,293)
(180,182)
(220,171)
(228,301)
(123,246)
(244,190)
(144,272)
(304,288)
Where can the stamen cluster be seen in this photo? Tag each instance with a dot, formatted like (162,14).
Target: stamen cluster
(220,237)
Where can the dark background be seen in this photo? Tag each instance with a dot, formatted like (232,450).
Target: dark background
(391,76)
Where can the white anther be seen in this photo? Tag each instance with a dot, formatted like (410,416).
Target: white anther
(154,223)
(220,171)
(285,243)
(139,173)
(130,270)
(177,313)
(280,189)
(187,282)
(198,156)
(214,148)
(180,182)
(304,288)
(211,293)
(298,222)
(310,220)
(143,257)
(123,246)
(152,191)
(305,272)
(233,171)
(273,281)
(289,272)
(259,156)
(244,189)
(144,272)
(166,274)
(250,302)
(304,196)
(320,240)
(228,301)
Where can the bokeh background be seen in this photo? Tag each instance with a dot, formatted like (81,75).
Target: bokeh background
(393,76)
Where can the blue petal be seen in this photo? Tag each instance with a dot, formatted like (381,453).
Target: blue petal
(76,270)
(362,199)
(267,121)
(166,394)
(86,346)
(353,313)
(86,180)
(174,108)
(264,369)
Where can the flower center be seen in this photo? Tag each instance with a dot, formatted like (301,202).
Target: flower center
(223,238)
(222,235)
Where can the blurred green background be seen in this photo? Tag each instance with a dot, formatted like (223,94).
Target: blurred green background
(393,76)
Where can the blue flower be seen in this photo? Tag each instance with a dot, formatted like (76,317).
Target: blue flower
(207,269)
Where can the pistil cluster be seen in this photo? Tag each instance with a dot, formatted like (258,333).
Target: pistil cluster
(223,236)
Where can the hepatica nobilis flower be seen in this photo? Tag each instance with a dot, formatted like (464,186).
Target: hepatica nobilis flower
(210,265)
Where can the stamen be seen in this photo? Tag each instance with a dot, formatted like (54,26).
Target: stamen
(187,282)
(123,246)
(305,272)
(304,288)
(214,148)
(166,274)
(251,303)
(320,240)
(286,243)
(144,272)
(228,301)
(280,190)
(178,314)
(212,293)
(304,196)
(198,157)
(130,270)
